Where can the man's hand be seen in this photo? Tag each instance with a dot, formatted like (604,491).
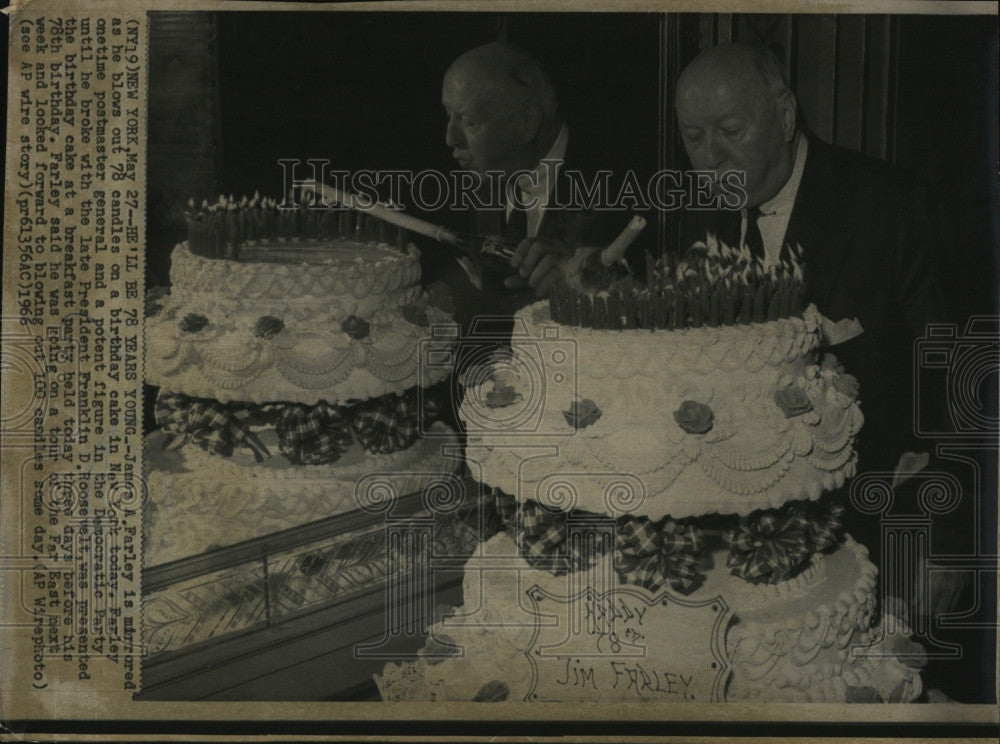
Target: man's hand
(539,263)
(543,263)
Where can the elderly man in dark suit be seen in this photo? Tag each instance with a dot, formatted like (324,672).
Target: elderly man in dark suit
(867,240)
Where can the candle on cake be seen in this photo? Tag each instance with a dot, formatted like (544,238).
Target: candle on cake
(798,287)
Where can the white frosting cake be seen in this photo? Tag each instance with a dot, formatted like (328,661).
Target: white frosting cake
(338,328)
(808,640)
(202,502)
(755,454)
(708,448)
(287,372)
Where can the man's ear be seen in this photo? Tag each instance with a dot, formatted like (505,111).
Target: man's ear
(787,114)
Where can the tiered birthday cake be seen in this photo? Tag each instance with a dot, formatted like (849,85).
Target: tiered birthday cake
(657,450)
(290,356)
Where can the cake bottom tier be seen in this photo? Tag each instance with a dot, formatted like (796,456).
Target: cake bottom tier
(524,634)
(198,502)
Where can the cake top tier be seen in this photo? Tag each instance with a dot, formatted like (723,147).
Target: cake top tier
(691,422)
(712,285)
(264,331)
(262,229)
(370,275)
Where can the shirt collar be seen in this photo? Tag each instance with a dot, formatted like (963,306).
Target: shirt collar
(545,171)
(782,202)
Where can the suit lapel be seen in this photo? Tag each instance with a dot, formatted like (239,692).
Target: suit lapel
(821,235)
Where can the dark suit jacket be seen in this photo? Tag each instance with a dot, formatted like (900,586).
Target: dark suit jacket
(566,220)
(486,315)
(868,244)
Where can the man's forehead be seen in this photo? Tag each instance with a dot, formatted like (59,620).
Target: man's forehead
(465,100)
(717,97)
(466,90)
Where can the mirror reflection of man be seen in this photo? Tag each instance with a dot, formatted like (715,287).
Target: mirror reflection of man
(503,118)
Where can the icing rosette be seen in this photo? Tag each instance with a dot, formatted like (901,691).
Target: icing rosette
(793,401)
(192,323)
(694,417)
(356,327)
(268,326)
(494,691)
(582,413)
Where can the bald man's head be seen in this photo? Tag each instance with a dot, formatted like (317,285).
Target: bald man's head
(501,109)
(736,113)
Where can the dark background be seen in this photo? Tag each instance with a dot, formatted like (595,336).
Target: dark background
(233,92)
(363,90)
(946,130)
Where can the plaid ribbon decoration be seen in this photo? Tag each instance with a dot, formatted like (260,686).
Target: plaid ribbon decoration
(313,435)
(825,526)
(542,537)
(646,555)
(650,557)
(767,547)
(506,507)
(391,422)
(211,425)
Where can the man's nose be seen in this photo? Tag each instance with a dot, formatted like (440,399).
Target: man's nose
(453,134)
(713,151)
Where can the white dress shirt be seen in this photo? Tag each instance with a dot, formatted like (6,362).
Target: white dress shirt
(536,189)
(775,213)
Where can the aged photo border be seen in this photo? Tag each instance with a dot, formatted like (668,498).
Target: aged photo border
(110,713)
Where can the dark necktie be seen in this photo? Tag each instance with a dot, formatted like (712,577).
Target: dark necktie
(516,229)
(754,240)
